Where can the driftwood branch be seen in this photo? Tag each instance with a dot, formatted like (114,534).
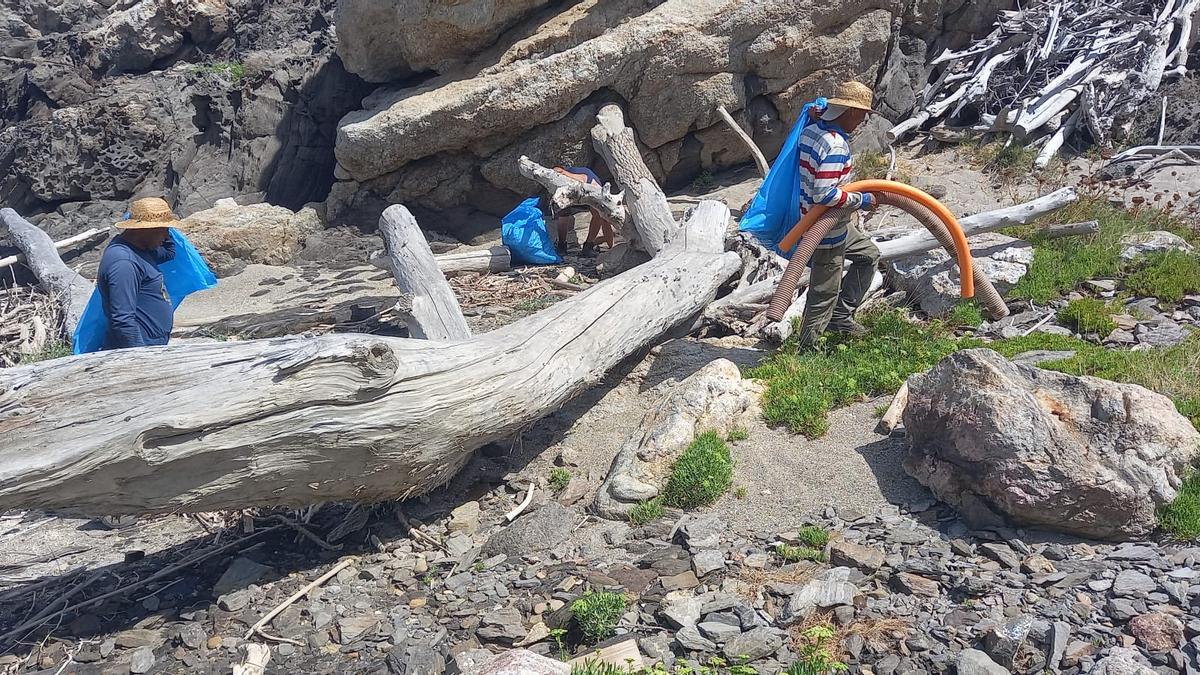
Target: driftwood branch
(759,160)
(490,260)
(82,237)
(69,289)
(649,213)
(566,192)
(300,420)
(435,313)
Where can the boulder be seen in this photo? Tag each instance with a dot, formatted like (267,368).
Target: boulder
(932,278)
(387,40)
(522,662)
(1080,455)
(1122,661)
(1140,243)
(534,532)
(231,236)
(1156,631)
(714,398)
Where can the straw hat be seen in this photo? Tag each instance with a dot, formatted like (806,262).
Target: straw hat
(852,95)
(148,213)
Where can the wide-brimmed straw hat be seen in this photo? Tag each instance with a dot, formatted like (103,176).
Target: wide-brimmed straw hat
(852,95)
(148,213)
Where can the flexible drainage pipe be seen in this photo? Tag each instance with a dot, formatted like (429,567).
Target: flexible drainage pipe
(931,213)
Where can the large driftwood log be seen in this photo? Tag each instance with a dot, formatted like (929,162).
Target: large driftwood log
(435,314)
(566,192)
(299,420)
(66,285)
(649,212)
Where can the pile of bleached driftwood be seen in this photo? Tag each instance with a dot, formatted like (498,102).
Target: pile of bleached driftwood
(1053,68)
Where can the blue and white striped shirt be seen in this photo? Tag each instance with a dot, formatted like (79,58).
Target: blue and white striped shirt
(825,165)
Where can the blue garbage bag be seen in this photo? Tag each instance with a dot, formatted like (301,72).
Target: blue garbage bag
(524,232)
(776,207)
(182,276)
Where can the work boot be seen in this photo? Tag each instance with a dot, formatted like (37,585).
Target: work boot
(849,328)
(589,250)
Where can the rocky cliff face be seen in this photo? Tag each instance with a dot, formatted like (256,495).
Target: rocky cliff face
(445,143)
(193,99)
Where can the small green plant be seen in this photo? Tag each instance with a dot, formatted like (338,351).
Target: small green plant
(559,479)
(880,410)
(743,670)
(702,473)
(477,567)
(646,511)
(52,350)
(559,635)
(535,304)
(869,165)
(704,181)
(429,580)
(232,69)
(1009,161)
(740,492)
(797,553)
(1182,516)
(737,434)
(597,667)
(965,315)
(1088,316)
(815,658)
(597,614)
(814,536)
(1167,275)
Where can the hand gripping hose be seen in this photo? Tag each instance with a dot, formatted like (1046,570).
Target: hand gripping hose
(931,213)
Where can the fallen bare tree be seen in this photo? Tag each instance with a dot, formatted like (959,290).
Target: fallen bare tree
(431,309)
(64,284)
(566,192)
(300,420)
(1054,67)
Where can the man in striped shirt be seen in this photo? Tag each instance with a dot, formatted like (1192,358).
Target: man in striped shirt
(823,153)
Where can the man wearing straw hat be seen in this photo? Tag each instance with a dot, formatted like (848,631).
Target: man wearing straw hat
(137,307)
(825,164)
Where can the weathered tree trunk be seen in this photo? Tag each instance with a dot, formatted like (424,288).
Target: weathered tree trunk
(435,314)
(81,238)
(760,161)
(649,212)
(566,192)
(480,261)
(300,420)
(68,288)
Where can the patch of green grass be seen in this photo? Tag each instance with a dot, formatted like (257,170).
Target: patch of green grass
(965,315)
(813,536)
(797,553)
(646,511)
(535,304)
(880,410)
(597,667)
(52,350)
(1182,516)
(869,165)
(702,473)
(1168,275)
(802,386)
(1089,315)
(559,479)
(741,492)
(737,434)
(597,614)
(1060,265)
(232,69)
(1010,162)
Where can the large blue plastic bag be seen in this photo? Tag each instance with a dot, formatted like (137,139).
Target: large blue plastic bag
(524,232)
(182,276)
(776,207)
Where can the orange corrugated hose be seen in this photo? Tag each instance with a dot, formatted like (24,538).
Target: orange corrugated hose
(961,248)
(929,212)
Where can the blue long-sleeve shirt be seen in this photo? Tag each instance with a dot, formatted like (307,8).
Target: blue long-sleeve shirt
(135,299)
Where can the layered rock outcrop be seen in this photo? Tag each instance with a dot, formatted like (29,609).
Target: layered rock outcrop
(197,100)
(448,143)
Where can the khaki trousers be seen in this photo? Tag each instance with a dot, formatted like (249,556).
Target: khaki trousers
(832,297)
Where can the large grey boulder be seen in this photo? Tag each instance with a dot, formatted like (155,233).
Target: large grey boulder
(932,278)
(714,398)
(1081,455)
